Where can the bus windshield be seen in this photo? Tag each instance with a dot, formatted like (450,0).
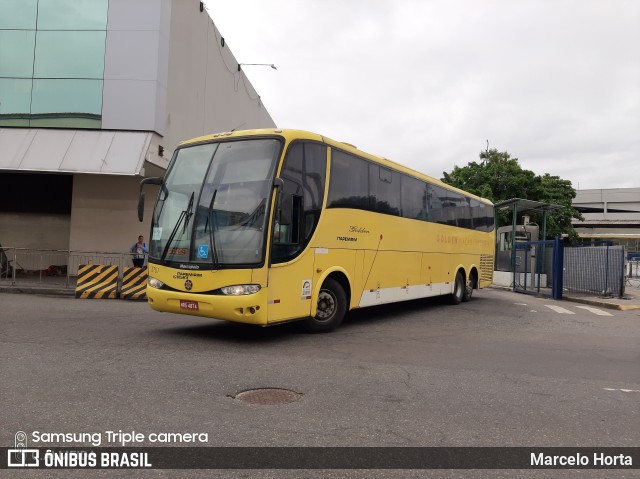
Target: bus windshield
(211,209)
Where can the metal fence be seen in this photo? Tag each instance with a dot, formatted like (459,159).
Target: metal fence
(595,269)
(58,268)
(633,268)
(633,272)
(547,268)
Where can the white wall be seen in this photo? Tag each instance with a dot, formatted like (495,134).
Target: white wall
(626,199)
(166,71)
(104,213)
(34,230)
(136,62)
(206,94)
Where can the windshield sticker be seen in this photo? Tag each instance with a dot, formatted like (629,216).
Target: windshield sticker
(157,233)
(203,251)
(306,289)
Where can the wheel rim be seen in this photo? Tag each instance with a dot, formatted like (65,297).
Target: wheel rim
(326,305)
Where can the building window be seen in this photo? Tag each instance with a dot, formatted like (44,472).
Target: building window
(66,103)
(52,62)
(69,54)
(15,101)
(18,14)
(72,14)
(16,53)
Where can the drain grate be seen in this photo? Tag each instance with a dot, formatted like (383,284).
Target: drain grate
(268,396)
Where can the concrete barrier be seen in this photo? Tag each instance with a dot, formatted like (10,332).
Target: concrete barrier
(134,283)
(96,281)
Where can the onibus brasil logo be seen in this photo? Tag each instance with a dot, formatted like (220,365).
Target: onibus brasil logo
(20,455)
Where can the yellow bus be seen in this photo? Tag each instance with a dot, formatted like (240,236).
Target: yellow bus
(267,226)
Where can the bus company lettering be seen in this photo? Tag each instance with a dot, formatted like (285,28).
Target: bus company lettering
(452,239)
(182,275)
(358,229)
(459,240)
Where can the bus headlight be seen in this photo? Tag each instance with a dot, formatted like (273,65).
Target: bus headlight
(154,283)
(240,289)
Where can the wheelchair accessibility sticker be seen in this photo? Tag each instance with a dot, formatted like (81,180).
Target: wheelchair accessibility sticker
(203,251)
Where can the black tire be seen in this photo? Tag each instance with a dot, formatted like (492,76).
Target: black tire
(332,306)
(458,289)
(468,290)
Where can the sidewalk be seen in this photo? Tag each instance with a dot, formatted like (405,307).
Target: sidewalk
(53,286)
(630,301)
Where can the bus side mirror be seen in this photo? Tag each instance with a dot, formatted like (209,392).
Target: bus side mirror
(141,206)
(147,181)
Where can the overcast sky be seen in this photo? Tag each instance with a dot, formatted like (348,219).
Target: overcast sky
(426,83)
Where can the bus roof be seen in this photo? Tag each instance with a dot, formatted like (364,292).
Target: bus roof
(291,134)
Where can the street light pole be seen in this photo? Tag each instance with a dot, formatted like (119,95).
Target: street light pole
(257,64)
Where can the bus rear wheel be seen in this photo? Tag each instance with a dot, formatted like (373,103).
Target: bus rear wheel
(468,290)
(332,306)
(458,289)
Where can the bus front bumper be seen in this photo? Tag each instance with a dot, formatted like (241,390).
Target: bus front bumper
(249,308)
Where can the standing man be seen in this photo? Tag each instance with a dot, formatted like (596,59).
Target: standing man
(139,251)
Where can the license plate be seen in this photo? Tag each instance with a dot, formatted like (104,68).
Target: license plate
(190,305)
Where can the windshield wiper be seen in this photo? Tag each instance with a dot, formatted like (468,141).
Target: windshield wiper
(183,214)
(252,219)
(212,239)
(188,213)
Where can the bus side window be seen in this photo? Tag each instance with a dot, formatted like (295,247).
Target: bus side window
(287,230)
(303,175)
(414,198)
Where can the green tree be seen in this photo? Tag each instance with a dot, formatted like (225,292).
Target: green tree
(500,177)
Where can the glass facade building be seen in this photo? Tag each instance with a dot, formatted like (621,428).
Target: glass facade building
(52,56)
(96,94)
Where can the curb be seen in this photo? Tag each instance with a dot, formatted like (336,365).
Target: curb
(591,302)
(30,290)
(602,304)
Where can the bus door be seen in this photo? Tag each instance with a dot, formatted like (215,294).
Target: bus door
(292,262)
(290,286)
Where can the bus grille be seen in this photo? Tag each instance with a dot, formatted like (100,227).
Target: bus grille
(486,267)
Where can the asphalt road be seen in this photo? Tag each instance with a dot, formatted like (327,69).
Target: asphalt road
(502,370)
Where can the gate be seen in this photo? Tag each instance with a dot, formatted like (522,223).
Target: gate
(535,268)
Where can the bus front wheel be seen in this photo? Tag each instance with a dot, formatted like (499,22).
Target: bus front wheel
(458,289)
(332,306)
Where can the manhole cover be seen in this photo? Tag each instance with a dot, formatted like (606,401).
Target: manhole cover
(268,396)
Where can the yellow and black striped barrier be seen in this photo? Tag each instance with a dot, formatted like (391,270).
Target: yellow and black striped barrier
(97,281)
(134,284)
